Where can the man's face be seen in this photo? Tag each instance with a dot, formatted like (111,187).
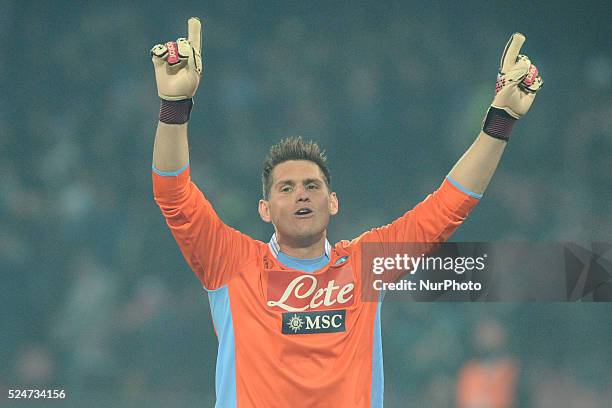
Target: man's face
(299,203)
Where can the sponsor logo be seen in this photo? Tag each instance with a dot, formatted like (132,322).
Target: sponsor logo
(341,260)
(531,75)
(500,83)
(328,321)
(172,52)
(300,292)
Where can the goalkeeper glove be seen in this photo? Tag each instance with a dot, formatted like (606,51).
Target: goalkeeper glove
(517,83)
(178,68)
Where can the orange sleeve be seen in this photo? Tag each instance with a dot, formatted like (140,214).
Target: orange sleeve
(213,250)
(432,220)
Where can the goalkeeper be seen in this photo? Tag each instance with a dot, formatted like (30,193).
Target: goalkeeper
(292,327)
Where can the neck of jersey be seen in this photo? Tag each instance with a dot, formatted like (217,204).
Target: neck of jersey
(301,264)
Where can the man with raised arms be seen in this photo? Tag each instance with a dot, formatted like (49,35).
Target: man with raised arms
(293,330)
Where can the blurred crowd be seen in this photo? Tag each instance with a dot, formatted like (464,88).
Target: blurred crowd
(95,296)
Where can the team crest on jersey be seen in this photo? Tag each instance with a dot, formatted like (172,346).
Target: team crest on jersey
(293,291)
(328,321)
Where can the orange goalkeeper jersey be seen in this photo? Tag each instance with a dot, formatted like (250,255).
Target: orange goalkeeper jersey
(290,338)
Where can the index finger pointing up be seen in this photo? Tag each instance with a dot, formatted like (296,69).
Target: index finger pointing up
(195,33)
(511,52)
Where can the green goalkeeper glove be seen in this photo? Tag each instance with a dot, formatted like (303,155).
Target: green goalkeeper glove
(178,69)
(517,83)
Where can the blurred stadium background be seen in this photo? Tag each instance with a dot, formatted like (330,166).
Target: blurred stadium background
(95,297)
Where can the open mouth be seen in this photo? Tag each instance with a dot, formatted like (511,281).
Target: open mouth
(303,212)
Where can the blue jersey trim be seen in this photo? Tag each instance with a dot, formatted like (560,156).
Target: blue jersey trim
(305,265)
(275,247)
(170,173)
(378,378)
(225,373)
(463,189)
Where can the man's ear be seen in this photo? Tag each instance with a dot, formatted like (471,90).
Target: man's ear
(333,204)
(264,210)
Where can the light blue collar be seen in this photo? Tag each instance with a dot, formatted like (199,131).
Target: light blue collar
(275,248)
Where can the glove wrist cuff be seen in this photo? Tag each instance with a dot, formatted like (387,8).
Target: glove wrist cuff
(175,112)
(498,123)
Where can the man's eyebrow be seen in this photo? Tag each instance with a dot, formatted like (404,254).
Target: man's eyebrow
(285,182)
(313,180)
(292,182)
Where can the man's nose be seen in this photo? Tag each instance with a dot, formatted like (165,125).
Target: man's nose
(302,194)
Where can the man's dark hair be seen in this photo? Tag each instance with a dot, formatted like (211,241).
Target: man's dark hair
(293,148)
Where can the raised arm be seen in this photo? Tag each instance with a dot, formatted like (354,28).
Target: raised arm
(517,84)
(213,250)
(178,67)
(438,216)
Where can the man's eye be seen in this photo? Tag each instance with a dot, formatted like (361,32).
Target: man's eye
(286,189)
(312,187)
